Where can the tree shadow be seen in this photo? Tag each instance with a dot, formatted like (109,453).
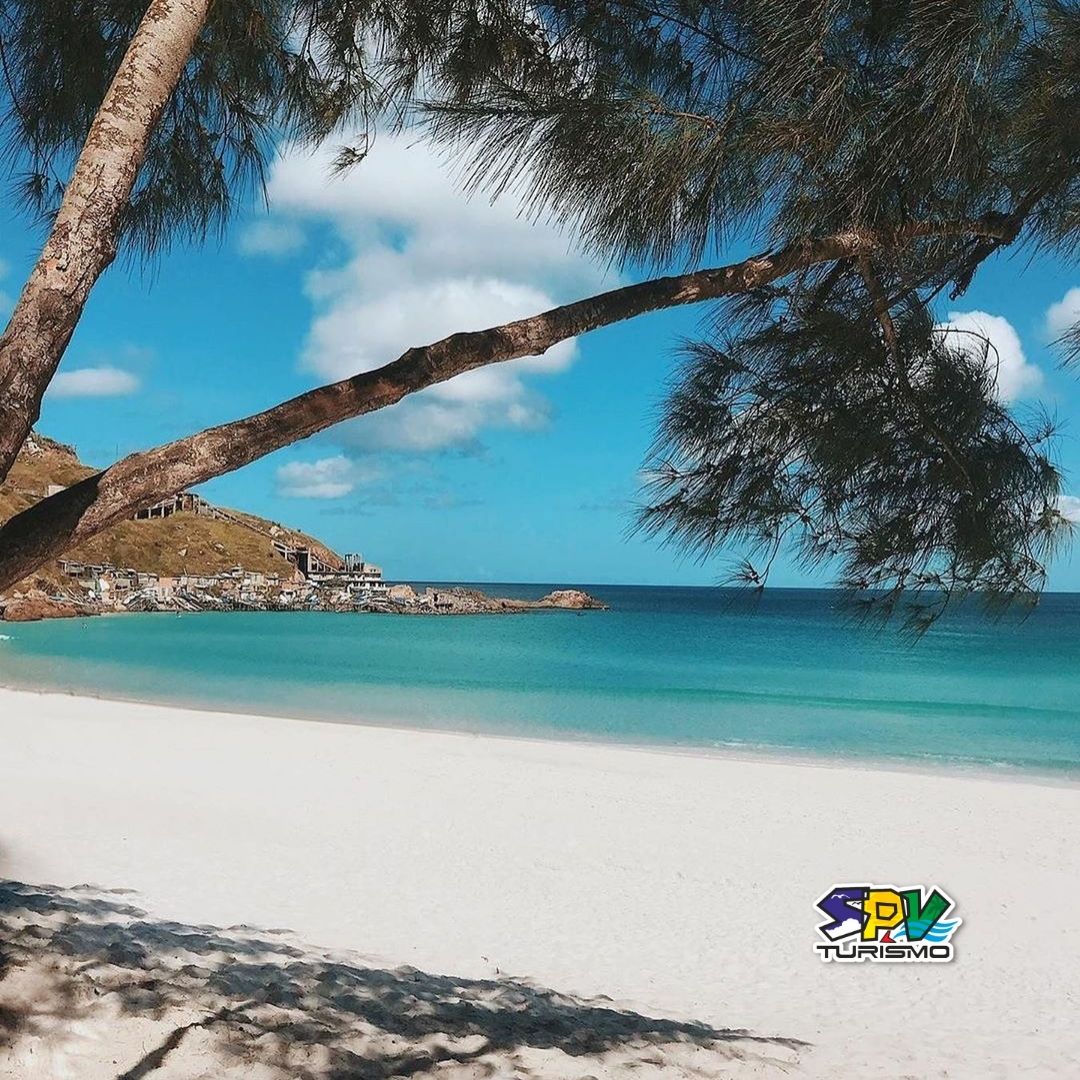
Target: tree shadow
(80,956)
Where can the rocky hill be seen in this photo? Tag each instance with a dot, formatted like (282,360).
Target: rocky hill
(186,554)
(184,543)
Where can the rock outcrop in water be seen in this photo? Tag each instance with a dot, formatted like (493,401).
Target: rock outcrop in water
(458,600)
(572,600)
(35,605)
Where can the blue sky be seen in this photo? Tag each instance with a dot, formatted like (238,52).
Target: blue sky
(525,472)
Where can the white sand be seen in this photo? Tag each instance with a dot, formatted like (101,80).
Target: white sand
(683,885)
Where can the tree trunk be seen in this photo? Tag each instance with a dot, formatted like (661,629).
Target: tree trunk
(56,524)
(84,236)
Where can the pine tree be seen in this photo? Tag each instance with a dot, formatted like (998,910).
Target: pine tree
(829,412)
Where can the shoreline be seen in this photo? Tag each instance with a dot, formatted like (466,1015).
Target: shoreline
(1066,777)
(110,590)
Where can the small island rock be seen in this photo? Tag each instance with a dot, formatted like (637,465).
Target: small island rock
(572,600)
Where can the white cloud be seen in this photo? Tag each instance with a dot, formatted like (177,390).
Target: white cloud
(1016,376)
(105,381)
(364,328)
(424,261)
(271,238)
(1063,315)
(1069,507)
(327,478)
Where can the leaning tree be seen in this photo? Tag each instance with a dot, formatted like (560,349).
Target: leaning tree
(875,154)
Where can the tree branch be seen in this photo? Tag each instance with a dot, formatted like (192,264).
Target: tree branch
(85,233)
(892,347)
(985,246)
(64,520)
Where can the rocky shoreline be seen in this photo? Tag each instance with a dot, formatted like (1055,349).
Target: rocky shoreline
(459,600)
(36,604)
(186,554)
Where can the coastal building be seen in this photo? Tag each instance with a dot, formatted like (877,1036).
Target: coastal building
(196,582)
(186,501)
(309,581)
(363,573)
(307,560)
(106,585)
(356,582)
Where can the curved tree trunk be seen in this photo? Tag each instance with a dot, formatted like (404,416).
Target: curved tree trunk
(56,524)
(84,236)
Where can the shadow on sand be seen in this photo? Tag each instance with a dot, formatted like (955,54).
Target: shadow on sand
(79,964)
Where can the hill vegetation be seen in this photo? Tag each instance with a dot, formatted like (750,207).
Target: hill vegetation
(182,543)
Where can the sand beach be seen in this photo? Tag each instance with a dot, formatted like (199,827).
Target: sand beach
(231,896)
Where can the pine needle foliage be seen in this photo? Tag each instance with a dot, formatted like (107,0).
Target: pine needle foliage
(661,129)
(263,72)
(914,487)
(830,414)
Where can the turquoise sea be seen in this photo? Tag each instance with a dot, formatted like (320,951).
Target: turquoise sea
(673,666)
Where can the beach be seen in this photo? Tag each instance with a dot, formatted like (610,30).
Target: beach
(674,888)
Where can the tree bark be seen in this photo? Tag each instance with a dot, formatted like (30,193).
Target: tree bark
(56,524)
(84,236)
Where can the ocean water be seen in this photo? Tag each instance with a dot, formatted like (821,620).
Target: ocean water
(671,666)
